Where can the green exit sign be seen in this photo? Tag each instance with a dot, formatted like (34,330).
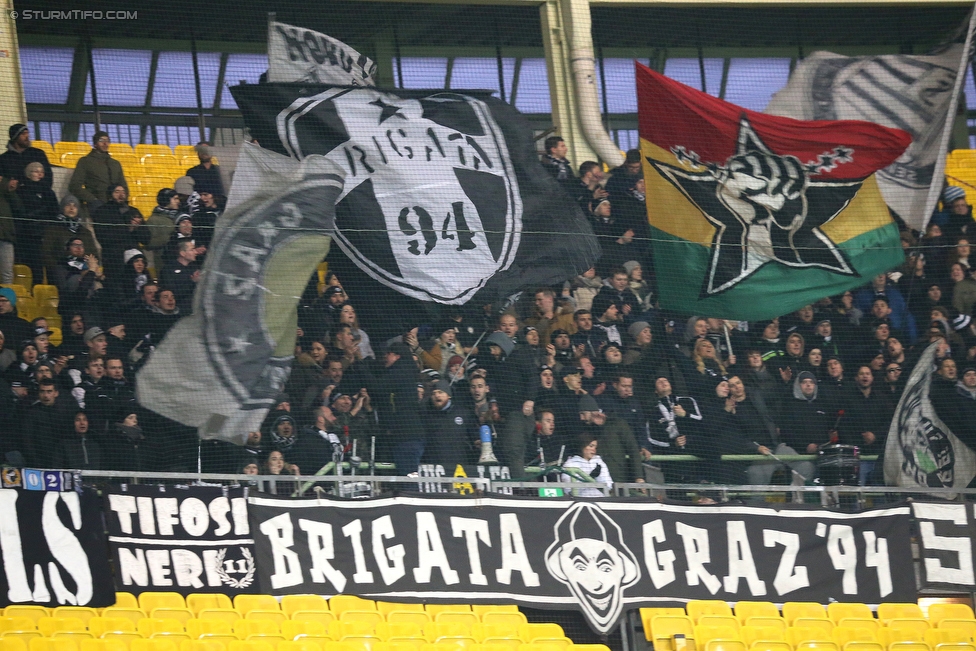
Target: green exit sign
(550,492)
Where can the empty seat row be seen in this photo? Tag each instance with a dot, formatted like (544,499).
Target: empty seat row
(158,644)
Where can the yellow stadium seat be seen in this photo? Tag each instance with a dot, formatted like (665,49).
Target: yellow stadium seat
(823,624)
(434,609)
(320,640)
(746,609)
(113,620)
(387,607)
(794,609)
(770,645)
(508,618)
(838,611)
(339,630)
(844,634)
(357,643)
(63,146)
(888,636)
(918,624)
(796,635)
(501,644)
(244,603)
(121,637)
(56,338)
(52,644)
(936,636)
(270,638)
(401,645)
(665,627)
(275,616)
(44,146)
(215,638)
(23,276)
(102,645)
(938,612)
(343,602)
(155,644)
(143,149)
(322,617)
(648,614)
(408,616)
(368,616)
(817,645)
(436,630)
(181,614)
(200,601)
(722,645)
(955,646)
(863,645)
(484,631)
(48,626)
(197,627)
(908,646)
(530,632)
(899,611)
(462,643)
(590,647)
(244,627)
(226,614)
(751,634)
(468,618)
(44,293)
(129,161)
(17,624)
(774,622)
(68,159)
(185,150)
(481,609)
(698,607)
(718,620)
(148,626)
(23,636)
(705,633)
(77,636)
(291,629)
(967,625)
(33,612)
(859,622)
(298,645)
(386,630)
(293,603)
(250,645)
(120,147)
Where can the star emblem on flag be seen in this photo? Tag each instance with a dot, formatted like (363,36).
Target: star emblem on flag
(766,207)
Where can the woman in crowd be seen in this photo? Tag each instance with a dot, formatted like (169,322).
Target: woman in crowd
(590,463)
(347,316)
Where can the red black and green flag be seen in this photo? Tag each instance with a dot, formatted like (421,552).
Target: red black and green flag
(753,215)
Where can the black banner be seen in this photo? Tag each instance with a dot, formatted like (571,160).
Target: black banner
(53,549)
(180,538)
(946,532)
(599,558)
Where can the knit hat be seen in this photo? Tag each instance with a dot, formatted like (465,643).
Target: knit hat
(630,265)
(203,148)
(184,185)
(164,196)
(456,359)
(399,348)
(68,199)
(182,218)
(633,156)
(950,194)
(588,403)
(602,303)
(443,385)
(10,294)
(131,254)
(15,130)
(636,328)
(501,340)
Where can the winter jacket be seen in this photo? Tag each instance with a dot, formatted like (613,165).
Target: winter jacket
(451,431)
(618,446)
(13,163)
(395,400)
(93,176)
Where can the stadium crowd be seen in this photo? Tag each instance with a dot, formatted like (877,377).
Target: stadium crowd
(590,374)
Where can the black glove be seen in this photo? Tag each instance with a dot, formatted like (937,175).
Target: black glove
(596,471)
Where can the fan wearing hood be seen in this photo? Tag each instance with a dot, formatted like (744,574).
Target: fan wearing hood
(806,420)
(501,376)
(162,225)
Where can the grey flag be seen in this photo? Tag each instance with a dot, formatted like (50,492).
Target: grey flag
(299,54)
(907,92)
(921,450)
(222,368)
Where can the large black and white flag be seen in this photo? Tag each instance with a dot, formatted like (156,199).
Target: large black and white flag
(222,368)
(299,54)
(444,198)
(921,449)
(913,93)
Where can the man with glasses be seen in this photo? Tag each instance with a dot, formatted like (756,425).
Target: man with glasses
(894,380)
(95,174)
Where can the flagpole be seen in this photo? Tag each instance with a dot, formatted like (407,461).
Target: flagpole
(939,172)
